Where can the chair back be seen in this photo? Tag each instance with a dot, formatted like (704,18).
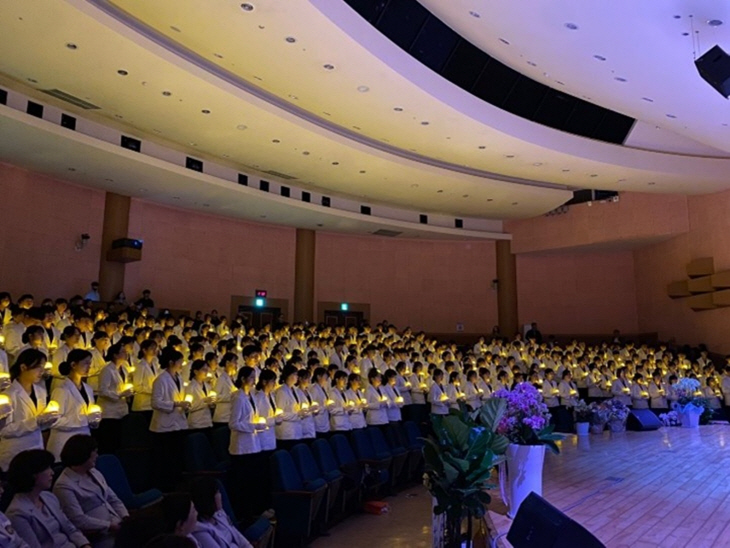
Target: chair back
(307,466)
(342,450)
(363,445)
(111,468)
(324,456)
(285,474)
(199,455)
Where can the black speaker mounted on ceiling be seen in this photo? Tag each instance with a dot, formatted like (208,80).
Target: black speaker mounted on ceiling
(714,67)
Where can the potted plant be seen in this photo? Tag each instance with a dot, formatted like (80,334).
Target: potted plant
(690,404)
(460,456)
(526,423)
(583,415)
(618,412)
(599,417)
(670,419)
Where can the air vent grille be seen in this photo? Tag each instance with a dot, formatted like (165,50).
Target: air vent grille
(280,175)
(58,94)
(387,233)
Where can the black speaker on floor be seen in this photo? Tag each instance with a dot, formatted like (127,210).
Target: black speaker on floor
(642,420)
(538,524)
(714,67)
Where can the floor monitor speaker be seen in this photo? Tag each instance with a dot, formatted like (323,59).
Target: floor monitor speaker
(641,420)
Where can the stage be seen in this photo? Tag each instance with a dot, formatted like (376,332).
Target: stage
(666,488)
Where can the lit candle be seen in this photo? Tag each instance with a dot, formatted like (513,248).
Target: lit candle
(363,401)
(278,412)
(399,399)
(261,420)
(131,369)
(212,394)
(189,398)
(423,386)
(48,366)
(4,375)
(2,339)
(305,406)
(351,403)
(444,397)
(4,400)
(330,402)
(53,407)
(93,409)
(128,386)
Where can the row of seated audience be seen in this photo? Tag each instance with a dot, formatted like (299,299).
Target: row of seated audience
(68,371)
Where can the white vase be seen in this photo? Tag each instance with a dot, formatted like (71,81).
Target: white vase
(690,418)
(582,428)
(524,475)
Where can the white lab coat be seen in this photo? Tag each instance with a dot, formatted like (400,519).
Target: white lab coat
(111,385)
(339,416)
(224,387)
(266,407)
(73,415)
(378,403)
(357,417)
(439,406)
(21,431)
(242,422)
(165,416)
(290,427)
(143,379)
(199,414)
(321,419)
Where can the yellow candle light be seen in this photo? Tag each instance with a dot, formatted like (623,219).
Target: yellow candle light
(189,398)
(351,403)
(53,407)
(330,402)
(4,400)
(423,386)
(363,401)
(278,412)
(131,369)
(2,339)
(94,409)
(305,406)
(444,397)
(127,386)
(4,375)
(399,399)
(48,366)
(212,394)
(261,420)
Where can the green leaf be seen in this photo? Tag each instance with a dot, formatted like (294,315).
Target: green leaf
(432,456)
(492,412)
(457,431)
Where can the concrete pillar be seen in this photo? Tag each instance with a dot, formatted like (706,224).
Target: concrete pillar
(304,276)
(116,225)
(507,289)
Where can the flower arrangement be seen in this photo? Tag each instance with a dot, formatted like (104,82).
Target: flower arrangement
(600,414)
(617,411)
(670,419)
(583,412)
(688,396)
(526,420)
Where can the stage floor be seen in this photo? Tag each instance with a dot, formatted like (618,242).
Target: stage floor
(667,488)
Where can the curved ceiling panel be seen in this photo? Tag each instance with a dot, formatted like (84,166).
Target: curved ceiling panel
(321,57)
(633,57)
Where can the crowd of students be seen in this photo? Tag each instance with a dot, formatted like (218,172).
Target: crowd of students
(71,372)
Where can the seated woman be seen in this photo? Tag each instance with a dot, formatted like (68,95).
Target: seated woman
(214,528)
(179,516)
(9,537)
(35,512)
(85,497)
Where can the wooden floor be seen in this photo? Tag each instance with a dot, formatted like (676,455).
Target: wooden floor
(667,488)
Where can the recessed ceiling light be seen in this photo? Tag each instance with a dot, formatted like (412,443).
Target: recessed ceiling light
(33,80)
(714,22)
(166,93)
(685,34)
(537,164)
(439,191)
(72,169)
(247,7)
(109,180)
(650,184)
(724,125)
(363,89)
(205,111)
(482,147)
(594,175)
(291,39)
(176,30)
(241,127)
(464,195)
(193,144)
(571,26)
(335,163)
(362,171)
(277,141)
(424,123)
(677,16)
(329,67)
(71,45)
(515,203)
(305,153)
(509,155)
(647,99)
(504,41)
(620,79)
(122,72)
(671,116)
(398,109)
(531,64)
(474,14)
(599,57)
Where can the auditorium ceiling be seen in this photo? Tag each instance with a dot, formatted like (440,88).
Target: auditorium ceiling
(310,90)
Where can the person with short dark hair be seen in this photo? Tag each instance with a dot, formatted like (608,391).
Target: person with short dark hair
(27,395)
(145,301)
(290,430)
(214,528)
(34,511)
(85,497)
(93,295)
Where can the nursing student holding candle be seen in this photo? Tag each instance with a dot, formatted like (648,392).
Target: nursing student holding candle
(309,407)
(169,424)
(145,374)
(203,398)
(114,388)
(342,407)
(289,431)
(360,404)
(26,399)
(76,408)
(224,388)
(377,400)
(318,392)
(437,394)
(394,396)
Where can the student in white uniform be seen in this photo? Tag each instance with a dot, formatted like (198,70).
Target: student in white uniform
(169,424)
(472,396)
(621,387)
(289,431)
(341,408)
(318,392)
(354,394)
(115,387)
(378,401)
(201,396)
(100,343)
(22,428)
(394,396)
(143,378)
(310,408)
(437,396)
(658,394)
(639,393)
(91,505)
(245,445)
(224,388)
(74,399)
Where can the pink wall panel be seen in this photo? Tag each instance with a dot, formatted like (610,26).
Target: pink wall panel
(196,261)
(660,264)
(634,217)
(429,285)
(578,293)
(40,220)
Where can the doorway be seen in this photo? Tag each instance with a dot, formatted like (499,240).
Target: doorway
(257,317)
(333,318)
